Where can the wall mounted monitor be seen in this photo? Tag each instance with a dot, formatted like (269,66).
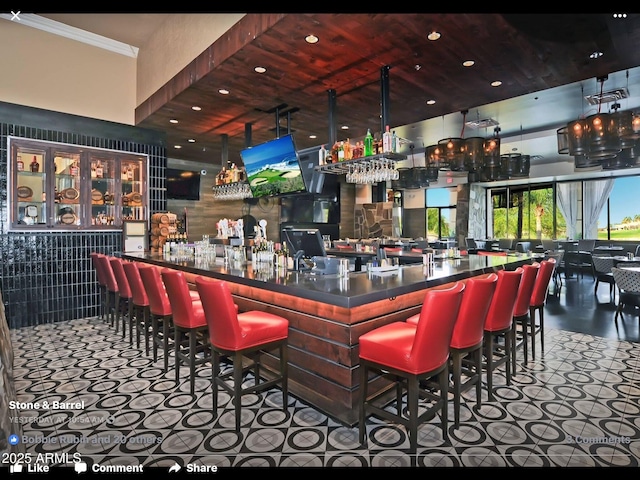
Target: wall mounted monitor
(182,184)
(273,168)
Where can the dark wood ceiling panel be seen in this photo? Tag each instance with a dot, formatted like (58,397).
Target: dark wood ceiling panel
(528,53)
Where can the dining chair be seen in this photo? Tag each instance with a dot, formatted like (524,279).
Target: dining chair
(140,302)
(602,266)
(190,328)
(628,282)
(536,305)
(238,336)
(499,326)
(465,348)
(521,309)
(407,354)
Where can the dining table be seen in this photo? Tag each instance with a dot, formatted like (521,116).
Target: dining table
(608,248)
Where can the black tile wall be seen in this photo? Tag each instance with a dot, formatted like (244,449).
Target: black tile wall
(47,277)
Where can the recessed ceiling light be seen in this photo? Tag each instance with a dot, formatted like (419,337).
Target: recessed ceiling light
(260,69)
(313,136)
(496,83)
(431,102)
(468,63)
(173,120)
(596,55)
(177,146)
(196,108)
(311,39)
(345,127)
(223,91)
(417,67)
(434,35)
(192,140)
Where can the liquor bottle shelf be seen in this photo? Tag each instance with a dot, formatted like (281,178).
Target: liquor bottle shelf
(343,167)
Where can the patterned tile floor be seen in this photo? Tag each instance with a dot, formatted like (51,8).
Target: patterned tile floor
(577,405)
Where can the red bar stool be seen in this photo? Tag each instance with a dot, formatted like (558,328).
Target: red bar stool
(140,302)
(537,303)
(499,324)
(238,336)
(123,305)
(465,348)
(408,354)
(111,288)
(521,308)
(159,309)
(190,329)
(102,283)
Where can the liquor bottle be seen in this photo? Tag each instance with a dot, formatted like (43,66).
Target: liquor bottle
(341,152)
(368,143)
(394,142)
(73,169)
(35,166)
(386,141)
(348,151)
(322,155)
(20,164)
(99,170)
(129,173)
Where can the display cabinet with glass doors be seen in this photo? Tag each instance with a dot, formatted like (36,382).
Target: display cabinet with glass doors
(69,187)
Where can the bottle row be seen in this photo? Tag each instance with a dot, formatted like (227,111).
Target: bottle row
(369,146)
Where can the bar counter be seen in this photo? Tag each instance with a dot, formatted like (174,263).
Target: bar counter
(327,313)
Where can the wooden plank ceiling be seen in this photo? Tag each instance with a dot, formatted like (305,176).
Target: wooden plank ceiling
(528,53)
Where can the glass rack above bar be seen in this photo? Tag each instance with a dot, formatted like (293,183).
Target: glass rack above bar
(344,167)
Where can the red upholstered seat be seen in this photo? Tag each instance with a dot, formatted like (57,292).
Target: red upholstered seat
(537,303)
(407,354)
(499,323)
(140,302)
(160,310)
(111,287)
(521,308)
(190,330)
(242,335)
(465,348)
(123,297)
(102,283)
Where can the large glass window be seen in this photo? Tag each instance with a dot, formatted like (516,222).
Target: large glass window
(620,219)
(441,213)
(524,212)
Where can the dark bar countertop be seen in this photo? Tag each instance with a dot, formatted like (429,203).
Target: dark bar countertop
(359,288)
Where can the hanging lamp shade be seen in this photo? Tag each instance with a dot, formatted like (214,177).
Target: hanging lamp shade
(491,168)
(562,135)
(523,167)
(453,149)
(602,135)
(624,125)
(432,162)
(509,164)
(582,161)
(473,153)
(577,133)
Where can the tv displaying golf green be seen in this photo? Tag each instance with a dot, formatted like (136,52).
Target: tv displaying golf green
(273,168)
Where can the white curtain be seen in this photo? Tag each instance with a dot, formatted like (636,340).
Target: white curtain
(594,198)
(568,205)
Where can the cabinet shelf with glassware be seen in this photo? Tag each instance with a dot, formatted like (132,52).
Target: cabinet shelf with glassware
(59,186)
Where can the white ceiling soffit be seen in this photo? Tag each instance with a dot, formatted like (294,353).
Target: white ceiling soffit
(57,28)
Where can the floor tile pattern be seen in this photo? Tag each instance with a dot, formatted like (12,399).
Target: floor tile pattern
(577,405)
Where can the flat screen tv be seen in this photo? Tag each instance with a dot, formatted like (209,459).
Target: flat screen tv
(182,184)
(273,168)
(307,240)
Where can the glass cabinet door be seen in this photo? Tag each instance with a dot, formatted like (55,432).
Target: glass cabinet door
(103,190)
(29,196)
(68,182)
(133,188)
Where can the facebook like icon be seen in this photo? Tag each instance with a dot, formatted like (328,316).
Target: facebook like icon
(14,439)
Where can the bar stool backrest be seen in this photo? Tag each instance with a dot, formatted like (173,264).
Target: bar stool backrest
(138,292)
(121,277)
(158,299)
(469,328)
(500,315)
(527,282)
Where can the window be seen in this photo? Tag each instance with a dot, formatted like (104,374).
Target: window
(620,218)
(525,212)
(441,213)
